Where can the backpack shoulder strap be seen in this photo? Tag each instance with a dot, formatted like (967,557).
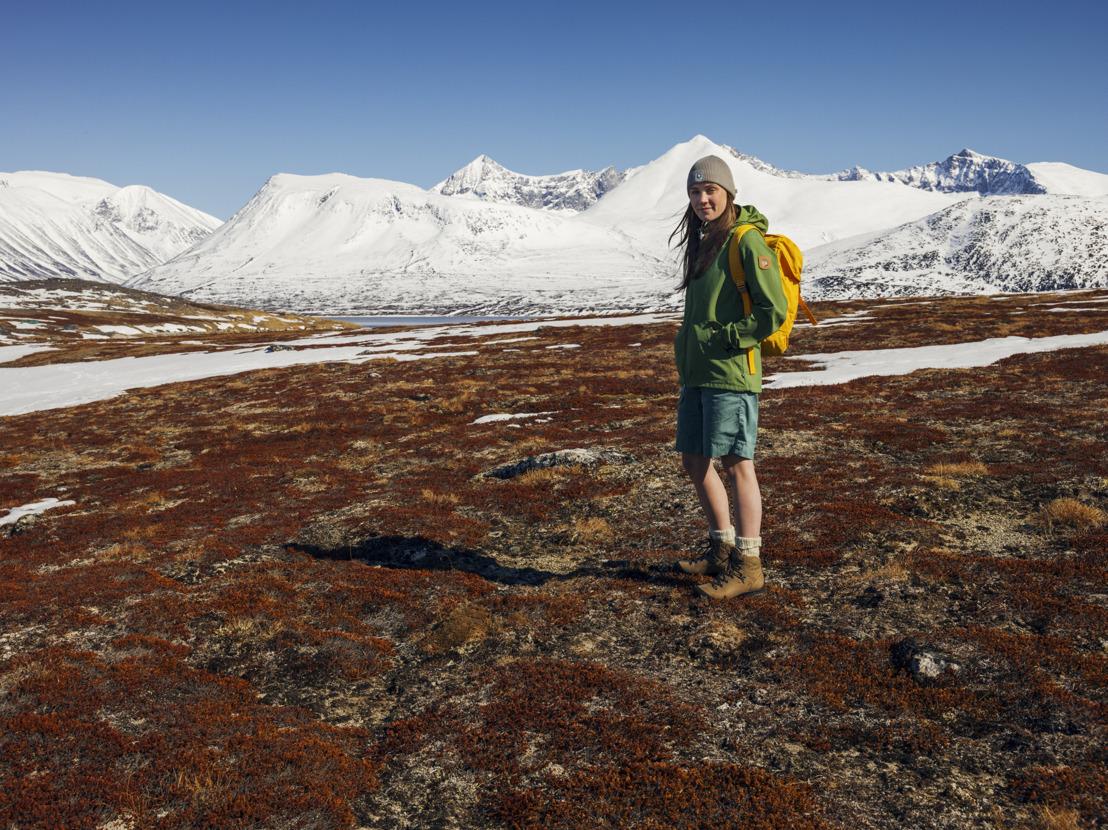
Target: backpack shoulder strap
(738,276)
(737,273)
(811,317)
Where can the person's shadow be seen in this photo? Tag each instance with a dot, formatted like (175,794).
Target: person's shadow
(419,553)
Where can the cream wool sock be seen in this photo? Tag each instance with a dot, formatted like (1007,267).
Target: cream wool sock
(749,545)
(727,536)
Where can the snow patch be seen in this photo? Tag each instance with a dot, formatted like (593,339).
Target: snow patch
(843,367)
(489,419)
(17,513)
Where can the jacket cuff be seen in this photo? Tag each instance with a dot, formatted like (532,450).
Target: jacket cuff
(733,338)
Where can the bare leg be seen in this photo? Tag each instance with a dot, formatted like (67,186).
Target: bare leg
(710,490)
(748,496)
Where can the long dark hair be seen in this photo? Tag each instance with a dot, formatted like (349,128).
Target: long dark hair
(701,240)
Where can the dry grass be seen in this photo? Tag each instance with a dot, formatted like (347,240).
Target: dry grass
(126,552)
(946,474)
(142,533)
(251,629)
(1057,818)
(592,531)
(957,469)
(1071,512)
(155,501)
(360,463)
(466,400)
(11,678)
(441,501)
(547,475)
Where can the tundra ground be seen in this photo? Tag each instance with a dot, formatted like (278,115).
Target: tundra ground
(295,598)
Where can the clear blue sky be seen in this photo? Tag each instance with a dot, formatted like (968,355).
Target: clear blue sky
(204,101)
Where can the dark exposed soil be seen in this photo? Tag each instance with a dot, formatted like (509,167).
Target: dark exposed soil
(296,598)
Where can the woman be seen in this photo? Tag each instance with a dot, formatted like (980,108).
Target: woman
(719,364)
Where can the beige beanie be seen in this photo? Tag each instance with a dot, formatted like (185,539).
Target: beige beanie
(712,169)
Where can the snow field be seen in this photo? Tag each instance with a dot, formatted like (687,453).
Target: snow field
(37,388)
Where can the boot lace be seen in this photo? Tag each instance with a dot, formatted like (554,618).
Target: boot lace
(707,549)
(726,575)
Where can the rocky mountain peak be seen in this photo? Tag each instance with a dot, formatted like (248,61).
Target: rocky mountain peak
(963,172)
(569,192)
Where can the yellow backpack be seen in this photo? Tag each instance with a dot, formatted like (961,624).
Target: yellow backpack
(789,262)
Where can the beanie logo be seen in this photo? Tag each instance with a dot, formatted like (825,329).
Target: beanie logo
(699,177)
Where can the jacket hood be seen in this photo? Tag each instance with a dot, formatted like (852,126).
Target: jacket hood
(750,215)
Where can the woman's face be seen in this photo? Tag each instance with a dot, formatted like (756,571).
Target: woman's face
(708,200)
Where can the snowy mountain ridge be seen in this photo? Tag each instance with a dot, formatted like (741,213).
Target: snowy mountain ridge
(964,172)
(572,191)
(342,245)
(55,225)
(490,241)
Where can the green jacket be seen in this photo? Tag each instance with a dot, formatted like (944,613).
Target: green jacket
(717,344)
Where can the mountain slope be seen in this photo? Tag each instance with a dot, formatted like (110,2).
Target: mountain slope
(340,244)
(995,244)
(54,225)
(1065,179)
(812,211)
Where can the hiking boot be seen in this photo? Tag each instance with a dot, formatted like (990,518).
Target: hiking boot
(713,559)
(743,576)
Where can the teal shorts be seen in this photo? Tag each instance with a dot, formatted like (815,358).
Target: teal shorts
(717,422)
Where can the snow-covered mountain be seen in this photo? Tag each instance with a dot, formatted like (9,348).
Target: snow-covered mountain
(338,244)
(490,241)
(54,225)
(570,192)
(964,172)
(812,211)
(341,245)
(968,172)
(996,244)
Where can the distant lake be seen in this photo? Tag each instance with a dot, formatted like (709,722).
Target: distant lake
(401,320)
